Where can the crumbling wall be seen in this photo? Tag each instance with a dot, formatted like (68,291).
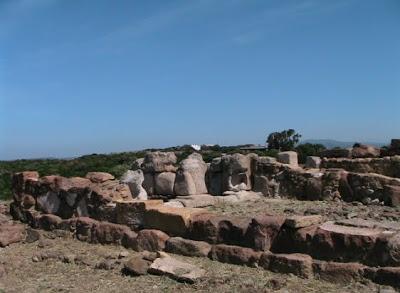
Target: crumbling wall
(388,166)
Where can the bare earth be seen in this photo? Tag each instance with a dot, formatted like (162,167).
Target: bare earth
(73,265)
(329,210)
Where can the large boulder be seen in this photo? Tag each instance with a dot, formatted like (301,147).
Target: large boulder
(313,162)
(174,221)
(191,176)
(19,182)
(263,231)
(365,151)
(289,158)
(99,177)
(164,183)
(135,179)
(236,172)
(157,162)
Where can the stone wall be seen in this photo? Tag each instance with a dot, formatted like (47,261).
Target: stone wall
(388,166)
(301,245)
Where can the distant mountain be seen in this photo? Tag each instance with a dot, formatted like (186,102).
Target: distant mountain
(330,143)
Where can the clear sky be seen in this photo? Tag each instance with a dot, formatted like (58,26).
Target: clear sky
(79,77)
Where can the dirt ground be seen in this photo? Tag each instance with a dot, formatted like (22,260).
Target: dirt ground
(74,266)
(329,210)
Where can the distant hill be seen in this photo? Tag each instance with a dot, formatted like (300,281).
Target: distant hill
(330,143)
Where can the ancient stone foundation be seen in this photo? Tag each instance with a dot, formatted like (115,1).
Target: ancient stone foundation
(156,208)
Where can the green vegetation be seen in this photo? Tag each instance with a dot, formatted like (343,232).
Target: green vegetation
(308,149)
(285,140)
(114,163)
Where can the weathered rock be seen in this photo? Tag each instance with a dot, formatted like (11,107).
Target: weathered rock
(313,162)
(178,270)
(385,276)
(391,251)
(32,235)
(337,272)
(302,221)
(236,172)
(204,227)
(292,240)
(132,213)
(365,151)
(232,230)
(214,177)
(296,263)
(49,222)
(109,191)
(164,183)
(344,243)
(174,204)
(235,254)
(289,158)
(157,162)
(106,264)
(392,195)
(19,182)
(191,176)
(149,184)
(174,221)
(151,240)
(137,266)
(137,164)
(187,247)
(11,233)
(109,233)
(184,183)
(99,177)
(49,203)
(135,179)
(262,232)
(196,201)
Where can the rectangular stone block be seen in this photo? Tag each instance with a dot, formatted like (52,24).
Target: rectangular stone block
(132,213)
(173,221)
(302,221)
(296,263)
(235,255)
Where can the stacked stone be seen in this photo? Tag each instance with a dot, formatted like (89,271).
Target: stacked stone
(230,173)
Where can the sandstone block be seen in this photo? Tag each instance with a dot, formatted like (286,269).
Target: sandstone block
(151,240)
(313,162)
(289,158)
(302,221)
(235,255)
(164,183)
(187,247)
(99,177)
(173,221)
(296,263)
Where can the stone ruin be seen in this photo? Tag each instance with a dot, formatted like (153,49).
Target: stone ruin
(159,206)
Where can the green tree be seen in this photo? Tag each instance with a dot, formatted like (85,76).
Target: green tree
(285,140)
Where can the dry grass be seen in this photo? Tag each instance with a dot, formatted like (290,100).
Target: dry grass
(24,275)
(328,209)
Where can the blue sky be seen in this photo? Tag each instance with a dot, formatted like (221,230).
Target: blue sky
(80,77)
